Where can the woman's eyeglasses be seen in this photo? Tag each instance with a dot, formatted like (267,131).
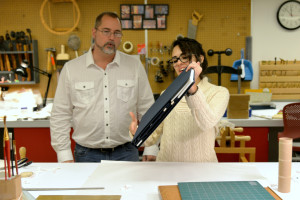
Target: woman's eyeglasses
(183,58)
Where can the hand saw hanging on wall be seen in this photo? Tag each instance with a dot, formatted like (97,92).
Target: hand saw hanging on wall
(193,23)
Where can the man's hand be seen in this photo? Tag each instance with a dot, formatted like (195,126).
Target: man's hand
(149,158)
(133,124)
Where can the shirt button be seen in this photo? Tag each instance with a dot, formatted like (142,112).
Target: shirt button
(106,137)
(105,86)
(83,86)
(106,111)
(105,74)
(106,124)
(105,98)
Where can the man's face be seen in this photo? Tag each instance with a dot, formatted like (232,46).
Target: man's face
(106,35)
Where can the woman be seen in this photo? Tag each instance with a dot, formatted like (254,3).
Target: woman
(188,132)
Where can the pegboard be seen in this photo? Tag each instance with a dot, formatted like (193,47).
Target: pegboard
(225,24)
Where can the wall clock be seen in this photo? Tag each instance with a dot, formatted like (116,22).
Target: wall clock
(288,15)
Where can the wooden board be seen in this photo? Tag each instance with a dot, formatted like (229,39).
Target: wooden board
(79,197)
(282,78)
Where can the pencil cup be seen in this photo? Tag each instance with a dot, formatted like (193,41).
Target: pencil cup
(285,164)
(11,189)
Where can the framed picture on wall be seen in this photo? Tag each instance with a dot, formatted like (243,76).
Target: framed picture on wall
(126,23)
(137,9)
(125,11)
(149,23)
(137,21)
(141,16)
(162,9)
(149,11)
(161,22)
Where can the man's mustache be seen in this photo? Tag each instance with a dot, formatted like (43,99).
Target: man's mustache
(109,43)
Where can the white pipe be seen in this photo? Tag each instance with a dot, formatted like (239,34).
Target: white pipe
(146,46)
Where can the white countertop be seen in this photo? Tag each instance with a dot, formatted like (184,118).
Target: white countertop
(140,180)
(251,122)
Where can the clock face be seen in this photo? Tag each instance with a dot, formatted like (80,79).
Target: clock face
(288,15)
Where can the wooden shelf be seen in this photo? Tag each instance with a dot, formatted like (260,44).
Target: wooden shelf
(278,79)
(10,75)
(282,78)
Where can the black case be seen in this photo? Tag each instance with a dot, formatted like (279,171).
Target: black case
(163,106)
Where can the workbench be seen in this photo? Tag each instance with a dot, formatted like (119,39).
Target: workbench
(140,180)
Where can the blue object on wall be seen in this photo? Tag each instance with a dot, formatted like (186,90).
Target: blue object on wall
(247,66)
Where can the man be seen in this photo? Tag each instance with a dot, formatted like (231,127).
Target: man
(95,94)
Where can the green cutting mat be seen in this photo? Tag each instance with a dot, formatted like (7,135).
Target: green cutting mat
(223,190)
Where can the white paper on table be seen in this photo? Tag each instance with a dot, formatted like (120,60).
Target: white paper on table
(267,113)
(141,179)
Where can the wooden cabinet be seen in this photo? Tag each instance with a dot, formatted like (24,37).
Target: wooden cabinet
(10,60)
(259,140)
(282,78)
(38,143)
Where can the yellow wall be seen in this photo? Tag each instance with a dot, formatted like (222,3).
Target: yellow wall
(225,24)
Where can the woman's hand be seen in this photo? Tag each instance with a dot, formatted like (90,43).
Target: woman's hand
(198,69)
(133,124)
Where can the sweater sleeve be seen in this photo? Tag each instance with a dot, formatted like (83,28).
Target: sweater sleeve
(208,110)
(155,136)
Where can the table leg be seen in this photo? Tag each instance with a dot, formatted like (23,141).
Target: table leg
(273,143)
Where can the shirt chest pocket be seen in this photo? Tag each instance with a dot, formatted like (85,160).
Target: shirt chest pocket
(125,89)
(84,91)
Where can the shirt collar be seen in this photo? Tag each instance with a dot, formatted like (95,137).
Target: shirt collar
(90,59)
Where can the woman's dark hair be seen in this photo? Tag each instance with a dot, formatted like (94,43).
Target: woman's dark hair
(190,46)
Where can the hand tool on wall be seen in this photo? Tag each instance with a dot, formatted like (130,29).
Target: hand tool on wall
(50,60)
(62,57)
(246,67)
(1,63)
(7,37)
(193,24)
(1,49)
(15,62)
(74,43)
(2,43)
(7,63)
(9,48)
(27,57)
(13,40)
(219,69)
(19,47)
(29,32)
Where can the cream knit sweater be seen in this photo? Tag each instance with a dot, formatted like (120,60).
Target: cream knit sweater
(190,129)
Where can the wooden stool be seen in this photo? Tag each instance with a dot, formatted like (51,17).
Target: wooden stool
(228,134)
